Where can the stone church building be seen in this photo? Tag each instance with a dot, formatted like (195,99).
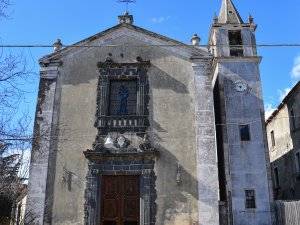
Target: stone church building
(135,128)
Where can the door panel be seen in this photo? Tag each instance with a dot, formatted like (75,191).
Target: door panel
(111,186)
(111,209)
(131,197)
(131,209)
(131,186)
(120,203)
(110,223)
(130,223)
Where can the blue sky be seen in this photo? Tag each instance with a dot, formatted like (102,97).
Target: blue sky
(42,22)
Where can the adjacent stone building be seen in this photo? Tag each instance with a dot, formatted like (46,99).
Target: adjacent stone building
(283,129)
(145,129)
(18,211)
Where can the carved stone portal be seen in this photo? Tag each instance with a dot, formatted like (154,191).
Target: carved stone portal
(122,100)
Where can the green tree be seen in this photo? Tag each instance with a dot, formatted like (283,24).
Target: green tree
(9,181)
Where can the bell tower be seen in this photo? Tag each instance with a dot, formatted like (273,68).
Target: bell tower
(243,161)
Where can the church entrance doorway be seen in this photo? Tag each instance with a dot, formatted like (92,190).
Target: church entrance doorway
(120,200)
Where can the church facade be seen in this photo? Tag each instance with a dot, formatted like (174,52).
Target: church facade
(145,129)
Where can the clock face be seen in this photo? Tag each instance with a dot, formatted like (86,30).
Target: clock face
(240,86)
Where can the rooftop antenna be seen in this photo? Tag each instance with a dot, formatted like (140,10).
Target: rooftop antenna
(127,3)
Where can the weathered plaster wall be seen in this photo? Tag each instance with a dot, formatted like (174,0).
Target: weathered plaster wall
(283,140)
(171,131)
(283,153)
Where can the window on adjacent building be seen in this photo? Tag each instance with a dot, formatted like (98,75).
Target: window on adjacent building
(250,199)
(245,132)
(235,43)
(293,120)
(272,138)
(276,177)
(298,161)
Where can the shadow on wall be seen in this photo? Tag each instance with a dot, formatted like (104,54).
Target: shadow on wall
(70,180)
(283,184)
(286,169)
(162,80)
(76,73)
(175,194)
(173,198)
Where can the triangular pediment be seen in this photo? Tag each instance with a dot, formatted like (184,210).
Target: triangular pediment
(142,37)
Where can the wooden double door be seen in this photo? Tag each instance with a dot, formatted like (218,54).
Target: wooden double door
(120,200)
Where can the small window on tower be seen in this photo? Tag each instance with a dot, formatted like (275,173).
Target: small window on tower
(235,37)
(245,132)
(235,43)
(250,199)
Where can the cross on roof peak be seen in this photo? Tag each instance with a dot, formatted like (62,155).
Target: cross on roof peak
(127,2)
(126,18)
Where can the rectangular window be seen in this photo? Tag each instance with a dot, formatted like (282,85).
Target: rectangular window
(276,177)
(245,132)
(235,43)
(293,121)
(298,161)
(235,37)
(122,97)
(272,138)
(250,199)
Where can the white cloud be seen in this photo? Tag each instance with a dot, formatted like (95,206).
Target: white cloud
(295,73)
(268,110)
(283,93)
(160,19)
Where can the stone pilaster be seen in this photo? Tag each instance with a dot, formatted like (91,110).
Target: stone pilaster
(36,198)
(206,148)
